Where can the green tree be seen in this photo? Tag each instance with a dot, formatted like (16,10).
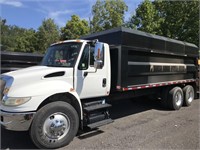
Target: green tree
(108,14)
(181,19)
(27,41)
(14,38)
(74,28)
(174,19)
(4,34)
(47,34)
(146,18)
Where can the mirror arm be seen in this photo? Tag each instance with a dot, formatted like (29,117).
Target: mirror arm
(86,72)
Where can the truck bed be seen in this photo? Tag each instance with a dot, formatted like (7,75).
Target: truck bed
(141,59)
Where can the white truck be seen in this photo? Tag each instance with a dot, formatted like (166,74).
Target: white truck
(76,79)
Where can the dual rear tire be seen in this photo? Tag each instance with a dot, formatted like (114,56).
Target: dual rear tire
(188,95)
(174,98)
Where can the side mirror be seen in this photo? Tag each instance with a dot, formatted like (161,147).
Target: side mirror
(98,55)
(98,64)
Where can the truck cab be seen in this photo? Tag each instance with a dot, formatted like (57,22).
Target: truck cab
(70,72)
(85,63)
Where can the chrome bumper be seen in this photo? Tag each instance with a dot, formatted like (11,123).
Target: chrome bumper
(16,121)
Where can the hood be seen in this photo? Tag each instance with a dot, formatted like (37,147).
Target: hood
(36,76)
(36,73)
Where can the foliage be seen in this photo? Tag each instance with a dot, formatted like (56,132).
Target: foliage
(27,41)
(146,18)
(108,14)
(47,34)
(74,28)
(174,19)
(14,38)
(181,20)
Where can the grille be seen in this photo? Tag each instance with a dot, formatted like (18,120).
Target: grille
(2,85)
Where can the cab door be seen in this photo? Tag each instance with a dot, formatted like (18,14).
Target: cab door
(91,82)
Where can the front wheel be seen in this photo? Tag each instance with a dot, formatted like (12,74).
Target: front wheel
(54,125)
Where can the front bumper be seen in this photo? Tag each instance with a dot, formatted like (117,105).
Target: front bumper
(16,121)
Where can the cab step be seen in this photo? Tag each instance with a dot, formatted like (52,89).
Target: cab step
(99,123)
(86,104)
(96,113)
(96,107)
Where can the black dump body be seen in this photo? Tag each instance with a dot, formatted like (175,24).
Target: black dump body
(139,58)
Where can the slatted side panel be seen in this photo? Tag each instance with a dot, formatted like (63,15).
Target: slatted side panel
(142,68)
(11,61)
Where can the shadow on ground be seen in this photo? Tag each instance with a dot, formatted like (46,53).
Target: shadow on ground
(15,140)
(122,108)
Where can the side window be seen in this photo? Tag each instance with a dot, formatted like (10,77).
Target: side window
(90,53)
(83,64)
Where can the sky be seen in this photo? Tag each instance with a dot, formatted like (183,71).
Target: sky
(30,13)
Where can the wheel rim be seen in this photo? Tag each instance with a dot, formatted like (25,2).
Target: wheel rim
(178,99)
(191,96)
(56,127)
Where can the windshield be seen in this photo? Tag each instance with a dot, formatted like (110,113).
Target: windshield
(62,55)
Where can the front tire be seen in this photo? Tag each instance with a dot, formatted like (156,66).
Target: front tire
(54,125)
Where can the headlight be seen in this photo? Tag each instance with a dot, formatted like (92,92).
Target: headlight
(14,101)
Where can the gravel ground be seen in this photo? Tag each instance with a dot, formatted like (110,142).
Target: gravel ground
(138,124)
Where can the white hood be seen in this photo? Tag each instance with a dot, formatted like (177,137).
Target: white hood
(38,71)
(32,79)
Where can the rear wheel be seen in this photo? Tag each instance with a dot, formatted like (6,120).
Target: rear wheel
(175,98)
(54,125)
(188,95)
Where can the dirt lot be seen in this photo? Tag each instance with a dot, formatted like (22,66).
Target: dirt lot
(138,124)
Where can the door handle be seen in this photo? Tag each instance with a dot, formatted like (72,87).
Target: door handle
(104,82)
